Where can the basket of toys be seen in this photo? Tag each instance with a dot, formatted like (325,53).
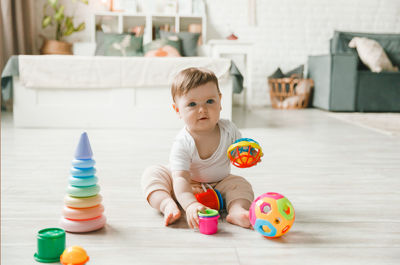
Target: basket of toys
(290,90)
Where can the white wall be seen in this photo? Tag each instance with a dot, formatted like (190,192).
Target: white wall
(287,31)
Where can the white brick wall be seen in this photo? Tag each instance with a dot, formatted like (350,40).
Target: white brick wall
(287,31)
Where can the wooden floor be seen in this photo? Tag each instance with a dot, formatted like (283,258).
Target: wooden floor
(343,180)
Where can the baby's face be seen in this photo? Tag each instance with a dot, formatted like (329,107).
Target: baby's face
(200,108)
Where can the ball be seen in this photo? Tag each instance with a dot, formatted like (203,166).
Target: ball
(244,159)
(271,214)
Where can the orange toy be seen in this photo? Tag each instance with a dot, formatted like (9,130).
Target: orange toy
(74,255)
(244,152)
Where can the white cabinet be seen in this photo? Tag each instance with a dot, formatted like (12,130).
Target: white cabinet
(225,48)
(120,22)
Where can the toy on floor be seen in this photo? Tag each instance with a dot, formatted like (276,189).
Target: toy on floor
(74,255)
(211,198)
(83,211)
(271,214)
(208,221)
(50,245)
(244,152)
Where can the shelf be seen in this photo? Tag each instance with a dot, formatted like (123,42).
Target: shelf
(120,22)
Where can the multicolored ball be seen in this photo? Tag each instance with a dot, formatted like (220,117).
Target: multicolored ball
(244,152)
(271,214)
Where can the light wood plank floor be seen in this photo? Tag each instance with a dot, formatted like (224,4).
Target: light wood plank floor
(343,180)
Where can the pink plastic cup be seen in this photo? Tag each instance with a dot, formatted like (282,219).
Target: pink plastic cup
(208,225)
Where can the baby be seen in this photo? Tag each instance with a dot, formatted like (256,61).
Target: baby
(198,155)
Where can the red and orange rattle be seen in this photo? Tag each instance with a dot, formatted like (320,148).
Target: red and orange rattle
(244,152)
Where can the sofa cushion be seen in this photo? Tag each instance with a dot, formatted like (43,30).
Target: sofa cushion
(163,48)
(189,41)
(389,42)
(378,92)
(372,54)
(114,44)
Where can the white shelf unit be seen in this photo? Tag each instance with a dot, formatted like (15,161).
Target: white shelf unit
(223,48)
(120,22)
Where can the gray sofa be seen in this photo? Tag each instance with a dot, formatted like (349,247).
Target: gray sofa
(343,83)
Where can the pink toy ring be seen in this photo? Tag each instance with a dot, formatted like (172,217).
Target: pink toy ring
(82,202)
(83,213)
(83,226)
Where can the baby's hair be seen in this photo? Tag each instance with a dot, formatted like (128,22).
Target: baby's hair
(190,78)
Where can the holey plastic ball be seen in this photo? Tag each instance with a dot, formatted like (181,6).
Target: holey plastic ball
(271,214)
(244,152)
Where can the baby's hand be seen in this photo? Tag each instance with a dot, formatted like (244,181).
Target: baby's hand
(197,189)
(191,214)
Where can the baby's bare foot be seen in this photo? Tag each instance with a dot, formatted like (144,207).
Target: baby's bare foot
(170,211)
(239,217)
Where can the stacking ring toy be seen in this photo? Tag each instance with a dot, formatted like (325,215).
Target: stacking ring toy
(244,152)
(83,163)
(82,202)
(83,191)
(83,182)
(83,226)
(211,198)
(80,214)
(208,221)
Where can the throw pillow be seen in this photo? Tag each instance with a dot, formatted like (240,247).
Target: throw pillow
(277,74)
(372,55)
(296,72)
(189,41)
(113,44)
(163,48)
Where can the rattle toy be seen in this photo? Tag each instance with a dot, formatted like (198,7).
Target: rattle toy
(74,255)
(271,214)
(211,198)
(50,245)
(83,211)
(244,152)
(208,221)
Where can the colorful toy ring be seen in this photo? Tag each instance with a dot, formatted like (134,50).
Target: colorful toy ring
(82,172)
(83,226)
(83,191)
(83,163)
(83,182)
(82,202)
(83,213)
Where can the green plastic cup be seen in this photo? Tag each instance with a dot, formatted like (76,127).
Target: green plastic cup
(50,245)
(208,213)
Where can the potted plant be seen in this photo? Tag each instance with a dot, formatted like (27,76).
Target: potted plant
(64,27)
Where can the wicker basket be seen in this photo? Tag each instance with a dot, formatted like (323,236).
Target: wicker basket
(285,95)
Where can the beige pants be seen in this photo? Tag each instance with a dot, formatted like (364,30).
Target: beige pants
(232,187)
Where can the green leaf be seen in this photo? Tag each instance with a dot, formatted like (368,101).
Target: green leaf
(59,16)
(69,31)
(80,27)
(53,3)
(46,21)
(68,22)
(86,2)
